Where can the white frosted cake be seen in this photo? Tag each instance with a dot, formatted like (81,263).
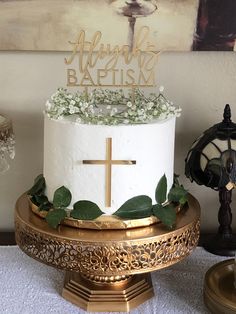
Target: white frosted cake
(67,144)
(107,164)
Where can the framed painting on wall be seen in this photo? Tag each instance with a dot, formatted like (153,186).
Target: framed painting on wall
(175,25)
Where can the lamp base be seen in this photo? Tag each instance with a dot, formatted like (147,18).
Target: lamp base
(220,244)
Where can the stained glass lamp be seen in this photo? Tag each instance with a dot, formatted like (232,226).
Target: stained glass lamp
(7,143)
(211,161)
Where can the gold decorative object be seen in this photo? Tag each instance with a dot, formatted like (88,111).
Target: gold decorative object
(109,162)
(219,291)
(107,269)
(89,53)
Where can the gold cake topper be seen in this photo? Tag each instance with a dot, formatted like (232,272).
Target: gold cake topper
(103,65)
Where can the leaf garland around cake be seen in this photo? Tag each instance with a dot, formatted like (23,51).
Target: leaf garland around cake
(166,214)
(141,206)
(37,194)
(161,190)
(61,199)
(55,217)
(39,186)
(56,210)
(135,208)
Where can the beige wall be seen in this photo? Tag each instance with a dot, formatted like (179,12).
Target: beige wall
(202,83)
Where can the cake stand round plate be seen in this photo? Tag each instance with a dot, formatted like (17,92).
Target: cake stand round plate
(219,291)
(103,222)
(107,269)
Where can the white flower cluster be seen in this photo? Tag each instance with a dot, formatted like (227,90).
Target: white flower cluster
(111,107)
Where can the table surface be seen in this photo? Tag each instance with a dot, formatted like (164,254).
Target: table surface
(29,287)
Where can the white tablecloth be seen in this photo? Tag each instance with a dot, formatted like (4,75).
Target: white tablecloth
(29,287)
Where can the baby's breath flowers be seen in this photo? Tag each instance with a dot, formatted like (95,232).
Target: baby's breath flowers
(111,107)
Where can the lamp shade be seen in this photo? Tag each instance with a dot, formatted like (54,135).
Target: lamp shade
(211,161)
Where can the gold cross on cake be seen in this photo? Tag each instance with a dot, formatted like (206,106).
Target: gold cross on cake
(108,162)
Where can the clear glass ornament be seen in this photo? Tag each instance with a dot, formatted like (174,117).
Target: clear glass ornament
(4,165)
(7,143)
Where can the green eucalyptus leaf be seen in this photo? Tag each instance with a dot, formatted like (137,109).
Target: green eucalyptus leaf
(40,199)
(183,199)
(45,206)
(38,187)
(177,193)
(43,202)
(161,190)
(85,210)
(166,214)
(62,197)
(136,207)
(33,200)
(55,217)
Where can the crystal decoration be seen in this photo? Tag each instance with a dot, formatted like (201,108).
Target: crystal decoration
(7,143)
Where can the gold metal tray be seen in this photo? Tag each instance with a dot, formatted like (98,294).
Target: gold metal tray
(219,291)
(103,222)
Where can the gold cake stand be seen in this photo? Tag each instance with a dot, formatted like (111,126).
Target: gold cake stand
(107,270)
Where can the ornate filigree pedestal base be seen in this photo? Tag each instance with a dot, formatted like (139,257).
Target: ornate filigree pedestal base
(106,266)
(117,295)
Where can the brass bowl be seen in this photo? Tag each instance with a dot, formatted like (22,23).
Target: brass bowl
(219,291)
